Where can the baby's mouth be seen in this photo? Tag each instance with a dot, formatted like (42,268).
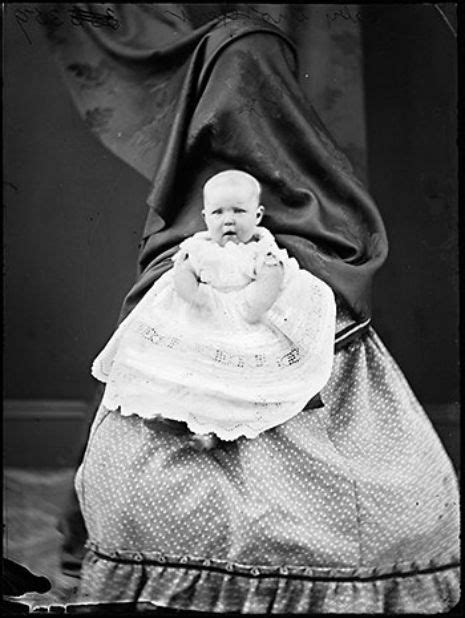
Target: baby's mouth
(230,236)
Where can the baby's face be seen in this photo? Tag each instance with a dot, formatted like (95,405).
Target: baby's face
(232,213)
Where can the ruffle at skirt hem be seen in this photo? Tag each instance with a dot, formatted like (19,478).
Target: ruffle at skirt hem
(196,584)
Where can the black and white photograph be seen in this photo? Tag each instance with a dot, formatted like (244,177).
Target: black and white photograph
(231,308)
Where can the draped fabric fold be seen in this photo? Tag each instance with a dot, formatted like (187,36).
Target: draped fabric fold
(180,103)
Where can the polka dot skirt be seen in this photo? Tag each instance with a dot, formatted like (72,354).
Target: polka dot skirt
(352,507)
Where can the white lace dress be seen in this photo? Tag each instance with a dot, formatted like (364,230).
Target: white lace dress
(208,366)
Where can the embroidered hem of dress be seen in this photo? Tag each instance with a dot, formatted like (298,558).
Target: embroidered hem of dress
(226,434)
(208,585)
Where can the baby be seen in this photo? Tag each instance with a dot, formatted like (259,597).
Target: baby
(234,340)
(232,213)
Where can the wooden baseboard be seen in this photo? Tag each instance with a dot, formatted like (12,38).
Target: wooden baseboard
(53,409)
(50,433)
(43,433)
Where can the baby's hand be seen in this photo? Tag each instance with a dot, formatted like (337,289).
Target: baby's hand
(271,266)
(270,277)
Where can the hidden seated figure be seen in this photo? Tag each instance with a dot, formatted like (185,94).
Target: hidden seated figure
(350,506)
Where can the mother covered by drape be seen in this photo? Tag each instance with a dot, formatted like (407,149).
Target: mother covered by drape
(352,507)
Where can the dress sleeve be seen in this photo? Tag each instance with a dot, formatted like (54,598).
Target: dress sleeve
(183,251)
(190,248)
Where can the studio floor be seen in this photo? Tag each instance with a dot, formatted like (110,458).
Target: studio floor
(32,503)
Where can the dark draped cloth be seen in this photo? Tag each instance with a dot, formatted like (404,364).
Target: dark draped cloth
(180,95)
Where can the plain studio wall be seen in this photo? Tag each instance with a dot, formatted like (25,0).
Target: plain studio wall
(411,117)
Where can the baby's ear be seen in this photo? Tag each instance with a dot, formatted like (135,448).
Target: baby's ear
(260,213)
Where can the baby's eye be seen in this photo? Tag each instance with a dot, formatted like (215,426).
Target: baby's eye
(218,211)
(239,210)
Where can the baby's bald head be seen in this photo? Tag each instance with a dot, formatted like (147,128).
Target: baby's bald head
(232,181)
